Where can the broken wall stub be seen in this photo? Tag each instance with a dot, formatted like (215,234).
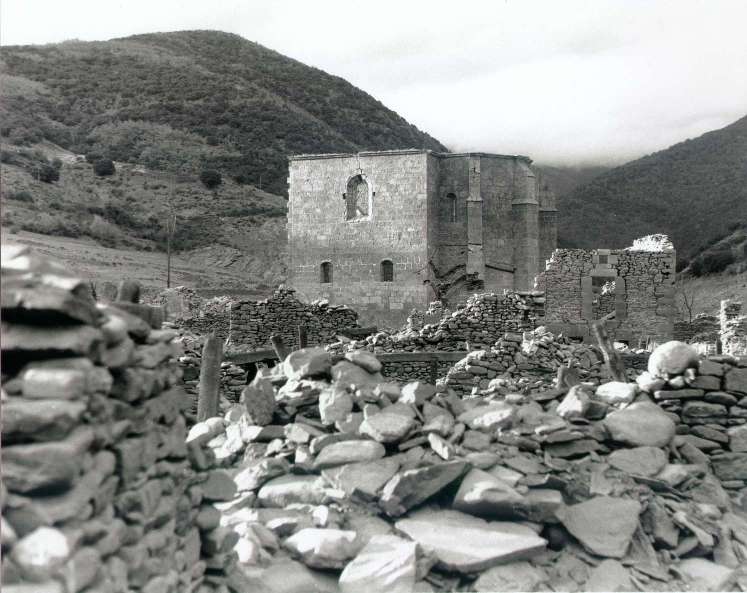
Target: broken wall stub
(733,332)
(253,322)
(633,290)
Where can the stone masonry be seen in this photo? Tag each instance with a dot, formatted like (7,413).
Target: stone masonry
(253,322)
(103,490)
(386,232)
(631,288)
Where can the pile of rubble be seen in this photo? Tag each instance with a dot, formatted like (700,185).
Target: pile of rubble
(523,362)
(478,324)
(347,483)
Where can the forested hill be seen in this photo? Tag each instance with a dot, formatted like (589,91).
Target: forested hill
(693,191)
(190,100)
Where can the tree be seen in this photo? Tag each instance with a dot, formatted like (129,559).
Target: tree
(686,302)
(104,167)
(210,178)
(48,174)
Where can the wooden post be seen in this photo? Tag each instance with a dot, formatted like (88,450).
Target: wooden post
(302,337)
(612,359)
(212,355)
(277,344)
(433,371)
(128,291)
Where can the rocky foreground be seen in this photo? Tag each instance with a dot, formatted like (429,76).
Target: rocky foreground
(344,481)
(329,477)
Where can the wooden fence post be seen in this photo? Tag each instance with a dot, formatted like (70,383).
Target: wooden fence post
(212,355)
(128,291)
(614,363)
(302,337)
(277,344)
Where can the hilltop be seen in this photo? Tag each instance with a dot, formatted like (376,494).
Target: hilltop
(691,191)
(189,100)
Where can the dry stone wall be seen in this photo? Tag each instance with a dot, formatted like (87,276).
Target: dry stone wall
(253,322)
(101,491)
(642,297)
(478,324)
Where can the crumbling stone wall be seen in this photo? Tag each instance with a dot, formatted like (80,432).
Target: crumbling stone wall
(101,490)
(185,308)
(642,306)
(478,324)
(733,328)
(253,322)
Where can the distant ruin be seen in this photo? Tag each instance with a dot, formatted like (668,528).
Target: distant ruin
(386,232)
(631,289)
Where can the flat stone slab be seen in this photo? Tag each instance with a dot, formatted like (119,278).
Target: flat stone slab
(388,564)
(408,489)
(515,576)
(485,495)
(640,424)
(490,417)
(641,461)
(468,544)
(349,452)
(367,478)
(705,575)
(603,525)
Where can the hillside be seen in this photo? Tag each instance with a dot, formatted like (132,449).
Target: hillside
(690,191)
(563,180)
(190,100)
(234,233)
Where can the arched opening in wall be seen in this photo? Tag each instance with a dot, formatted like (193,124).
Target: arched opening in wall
(356,198)
(387,271)
(325,273)
(451,205)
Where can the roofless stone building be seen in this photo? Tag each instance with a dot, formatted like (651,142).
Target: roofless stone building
(386,232)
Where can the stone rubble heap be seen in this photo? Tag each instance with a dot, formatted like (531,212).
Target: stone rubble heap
(346,482)
(100,491)
(522,362)
(478,324)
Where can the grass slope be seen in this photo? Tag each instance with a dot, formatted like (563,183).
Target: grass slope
(191,100)
(235,228)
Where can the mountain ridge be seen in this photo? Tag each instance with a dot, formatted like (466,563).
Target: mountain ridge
(235,105)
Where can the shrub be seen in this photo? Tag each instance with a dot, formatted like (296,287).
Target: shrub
(104,167)
(712,262)
(48,174)
(20,196)
(57,163)
(210,178)
(92,157)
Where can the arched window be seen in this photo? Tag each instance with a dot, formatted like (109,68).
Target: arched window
(325,273)
(356,198)
(451,205)
(387,271)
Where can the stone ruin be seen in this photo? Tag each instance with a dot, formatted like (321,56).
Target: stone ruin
(631,289)
(328,477)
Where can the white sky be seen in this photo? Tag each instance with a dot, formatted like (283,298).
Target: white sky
(563,81)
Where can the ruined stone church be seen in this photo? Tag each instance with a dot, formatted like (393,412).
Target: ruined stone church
(386,232)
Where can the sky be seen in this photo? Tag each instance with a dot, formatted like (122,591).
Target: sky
(566,82)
